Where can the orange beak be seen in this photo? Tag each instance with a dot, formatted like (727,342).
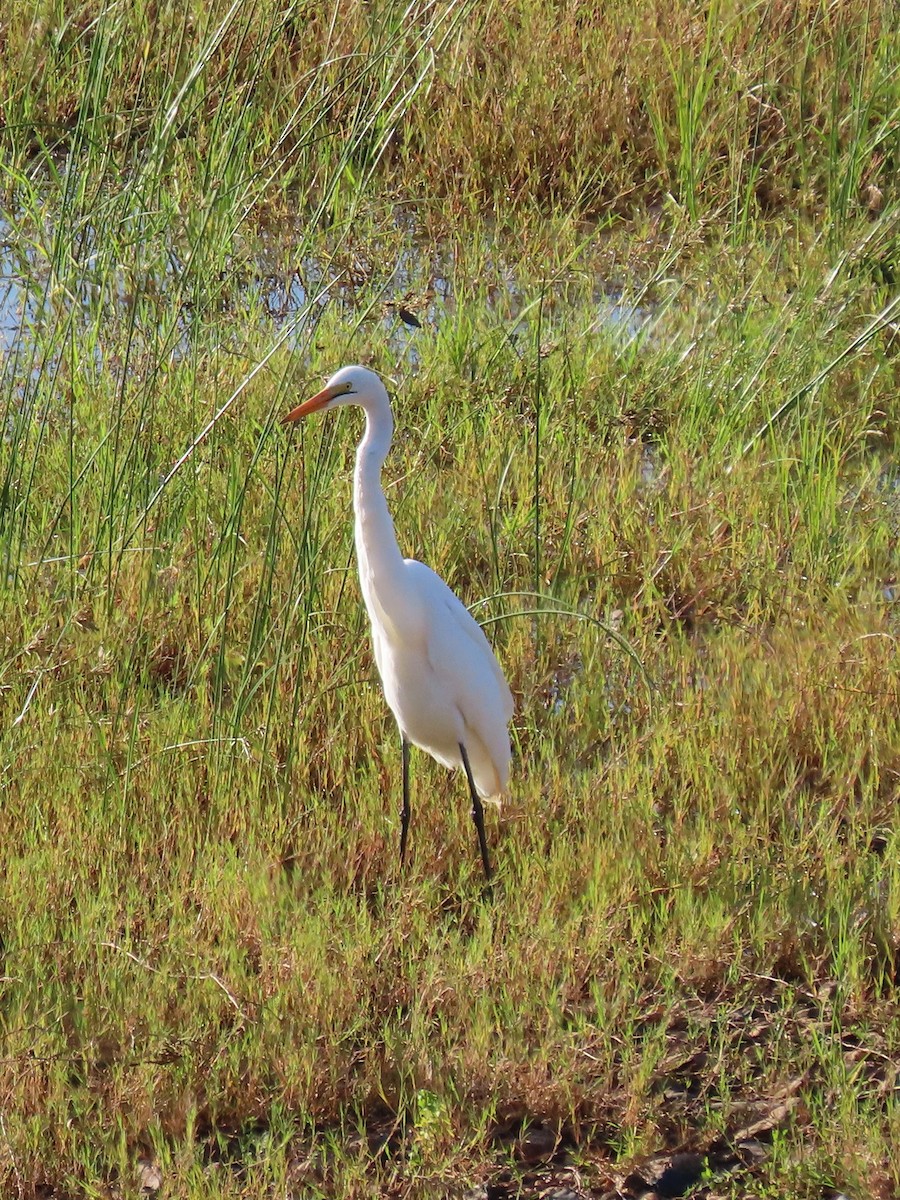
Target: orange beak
(313,404)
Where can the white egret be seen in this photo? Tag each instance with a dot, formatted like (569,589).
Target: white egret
(439,674)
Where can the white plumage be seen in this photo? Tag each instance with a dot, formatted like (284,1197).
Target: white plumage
(440,677)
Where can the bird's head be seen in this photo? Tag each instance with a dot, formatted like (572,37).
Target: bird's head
(349,385)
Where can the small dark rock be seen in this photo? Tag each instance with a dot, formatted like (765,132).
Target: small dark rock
(751,1151)
(538,1142)
(668,1176)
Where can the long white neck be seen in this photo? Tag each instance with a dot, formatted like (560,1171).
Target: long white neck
(381,566)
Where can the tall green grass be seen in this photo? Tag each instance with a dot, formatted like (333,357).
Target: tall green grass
(212,971)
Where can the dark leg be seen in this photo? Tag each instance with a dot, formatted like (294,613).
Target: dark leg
(404,811)
(477,813)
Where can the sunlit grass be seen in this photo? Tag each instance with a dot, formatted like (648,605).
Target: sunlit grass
(680,431)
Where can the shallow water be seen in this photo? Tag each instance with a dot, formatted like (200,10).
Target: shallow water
(283,286)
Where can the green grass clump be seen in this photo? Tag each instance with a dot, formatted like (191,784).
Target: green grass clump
(657,457)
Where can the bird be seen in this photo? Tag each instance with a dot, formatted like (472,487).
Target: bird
(440,677)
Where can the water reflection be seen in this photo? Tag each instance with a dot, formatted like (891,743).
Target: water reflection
(280,286)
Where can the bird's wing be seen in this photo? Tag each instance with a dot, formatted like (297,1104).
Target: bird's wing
(457,643)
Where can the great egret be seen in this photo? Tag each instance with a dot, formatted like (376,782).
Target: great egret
(439,674)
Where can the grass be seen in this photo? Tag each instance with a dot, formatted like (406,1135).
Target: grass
(214,980)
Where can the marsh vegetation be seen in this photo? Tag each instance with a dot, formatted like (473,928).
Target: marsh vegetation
(652,404)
